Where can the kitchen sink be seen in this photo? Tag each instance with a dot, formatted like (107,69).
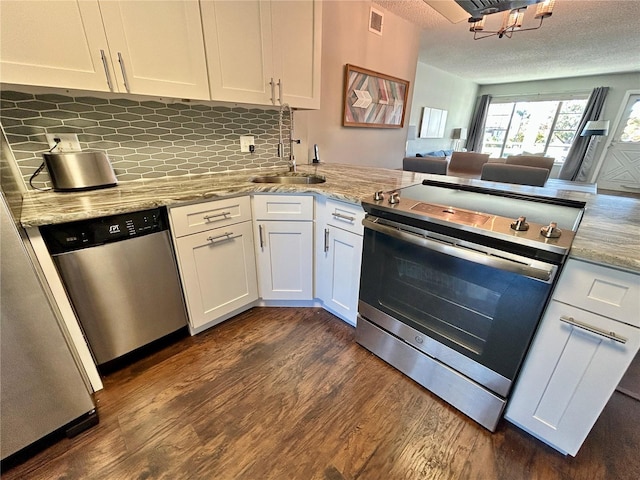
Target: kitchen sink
(290,178)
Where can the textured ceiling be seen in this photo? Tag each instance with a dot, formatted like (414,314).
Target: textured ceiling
(582,37)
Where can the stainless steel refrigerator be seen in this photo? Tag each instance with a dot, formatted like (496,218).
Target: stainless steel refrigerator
(42,389)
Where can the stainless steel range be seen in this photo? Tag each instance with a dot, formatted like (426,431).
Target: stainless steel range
(454,281)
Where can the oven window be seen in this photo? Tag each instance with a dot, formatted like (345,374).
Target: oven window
(449,300)
(484,313)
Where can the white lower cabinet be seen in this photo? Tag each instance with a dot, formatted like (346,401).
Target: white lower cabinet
(233,251)
(283,232)
(338,272)
(578,356)
(217,266)
(338,258)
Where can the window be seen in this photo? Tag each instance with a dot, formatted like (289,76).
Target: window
(631,127)
(544,127)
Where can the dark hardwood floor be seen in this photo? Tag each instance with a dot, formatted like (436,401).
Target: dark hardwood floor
(280,393)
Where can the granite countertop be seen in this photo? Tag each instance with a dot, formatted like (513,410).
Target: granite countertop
(609,232)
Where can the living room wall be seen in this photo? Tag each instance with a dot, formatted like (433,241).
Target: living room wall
(436,88)
(618,85)
(346,39)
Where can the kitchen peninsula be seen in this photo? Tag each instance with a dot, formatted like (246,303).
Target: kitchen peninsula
(609,232)
(607,237)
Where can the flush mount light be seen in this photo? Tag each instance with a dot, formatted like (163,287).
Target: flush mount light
(512,20)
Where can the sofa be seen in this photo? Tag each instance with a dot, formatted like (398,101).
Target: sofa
(435,162)
(426,164)
(436,153)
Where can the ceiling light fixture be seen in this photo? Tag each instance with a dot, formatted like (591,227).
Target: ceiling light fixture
(512,21)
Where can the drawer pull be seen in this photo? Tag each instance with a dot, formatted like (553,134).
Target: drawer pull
(344,217)
(222,214)
(225,235)
(598,331)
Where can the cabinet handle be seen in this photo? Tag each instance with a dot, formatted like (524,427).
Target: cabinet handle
(225,235)
(260,236)
(326,239)
(344,217)
(221,214)
(106,69)
(124,73)
(592,329)
(273,91)
(280,91)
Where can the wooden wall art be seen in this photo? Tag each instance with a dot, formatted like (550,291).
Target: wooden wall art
(373,99)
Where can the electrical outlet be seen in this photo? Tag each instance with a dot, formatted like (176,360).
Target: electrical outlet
(246,142)
(68,142)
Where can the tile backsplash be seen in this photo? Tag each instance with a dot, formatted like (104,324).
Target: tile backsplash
(143,139)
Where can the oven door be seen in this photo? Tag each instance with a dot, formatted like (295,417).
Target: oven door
(481,304)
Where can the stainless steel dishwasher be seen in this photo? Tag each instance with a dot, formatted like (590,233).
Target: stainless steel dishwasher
(121,276)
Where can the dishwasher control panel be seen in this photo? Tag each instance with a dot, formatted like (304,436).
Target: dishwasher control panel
(71,236)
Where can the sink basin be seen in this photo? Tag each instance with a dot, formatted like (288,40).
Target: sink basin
(289,178)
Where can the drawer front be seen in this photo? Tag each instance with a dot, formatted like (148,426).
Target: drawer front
(205,216)
(603,290)
(347,216)
(283,207)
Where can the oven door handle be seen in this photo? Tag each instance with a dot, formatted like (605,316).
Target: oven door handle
(463,253)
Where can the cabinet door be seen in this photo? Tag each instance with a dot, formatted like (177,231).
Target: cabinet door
(297,39)
(338,271)
(218,272)
(239,50)
(284,252)
(569,375)
(54,44)
(157,49)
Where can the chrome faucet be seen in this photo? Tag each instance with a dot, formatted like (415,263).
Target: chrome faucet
(292,141)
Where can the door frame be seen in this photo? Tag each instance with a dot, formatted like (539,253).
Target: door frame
(610,138)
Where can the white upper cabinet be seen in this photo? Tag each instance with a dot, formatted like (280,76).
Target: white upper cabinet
(57,44)
(157,47)
(107,45)
(297,34)
(264,52)
(239,50)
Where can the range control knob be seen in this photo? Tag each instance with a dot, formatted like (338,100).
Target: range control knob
(394,198)
(520,225)
(378,196)
(551,231)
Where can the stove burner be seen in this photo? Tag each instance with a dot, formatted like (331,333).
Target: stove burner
(449,213)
